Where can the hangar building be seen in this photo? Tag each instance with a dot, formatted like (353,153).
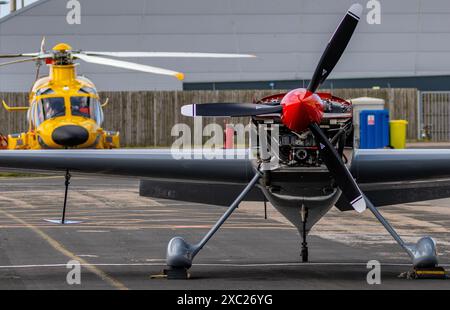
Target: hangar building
(409,48)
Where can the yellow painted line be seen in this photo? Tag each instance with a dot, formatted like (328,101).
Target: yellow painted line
(30,178)
(73,189)
(60,248)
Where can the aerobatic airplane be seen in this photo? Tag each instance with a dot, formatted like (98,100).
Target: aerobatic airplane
(310,177)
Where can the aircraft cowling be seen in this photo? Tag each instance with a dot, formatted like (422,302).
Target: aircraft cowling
(301,108)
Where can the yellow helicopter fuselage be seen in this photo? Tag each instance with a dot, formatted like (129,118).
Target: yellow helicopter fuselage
(64,112)
(64,109)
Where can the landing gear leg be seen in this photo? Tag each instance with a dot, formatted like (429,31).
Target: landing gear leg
(304,251)
(180,254)
(423,253)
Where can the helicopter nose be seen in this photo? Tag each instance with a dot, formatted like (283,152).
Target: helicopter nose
(70,135)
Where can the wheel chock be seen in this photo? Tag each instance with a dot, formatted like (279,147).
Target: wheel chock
(426,273)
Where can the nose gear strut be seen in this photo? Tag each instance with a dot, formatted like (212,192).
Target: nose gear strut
(63,220)
(304,251)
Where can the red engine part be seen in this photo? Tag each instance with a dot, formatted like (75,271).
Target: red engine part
(323,96)
(301,107)
(229,137)
(3,142)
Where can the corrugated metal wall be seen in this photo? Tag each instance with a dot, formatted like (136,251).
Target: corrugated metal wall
(289,36)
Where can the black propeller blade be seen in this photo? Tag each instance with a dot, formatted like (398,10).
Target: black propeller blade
(328,61)
(336,47)
(229,109)
(339,170)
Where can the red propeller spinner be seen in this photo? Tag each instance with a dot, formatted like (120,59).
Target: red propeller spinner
(301,108)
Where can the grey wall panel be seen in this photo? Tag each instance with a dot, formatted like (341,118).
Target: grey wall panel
(222,7)
(96,7)
(405,6)
(433,42)
(438,62)
(397,23)
(90,25)
(434,6)
(210,24)
(373,43)
(437,22)
(376,63)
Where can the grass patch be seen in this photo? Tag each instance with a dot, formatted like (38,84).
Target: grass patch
(19,175)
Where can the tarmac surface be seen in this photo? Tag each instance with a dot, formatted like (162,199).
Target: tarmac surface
(123,237)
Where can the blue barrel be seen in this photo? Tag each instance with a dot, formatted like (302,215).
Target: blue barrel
(374,129)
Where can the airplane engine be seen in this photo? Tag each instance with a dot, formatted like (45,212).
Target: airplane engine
(299,149)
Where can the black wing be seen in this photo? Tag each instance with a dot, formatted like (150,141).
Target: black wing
(226,166)
(390,177)
(385,176)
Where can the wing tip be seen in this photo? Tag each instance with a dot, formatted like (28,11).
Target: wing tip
(359,204)
(188,110)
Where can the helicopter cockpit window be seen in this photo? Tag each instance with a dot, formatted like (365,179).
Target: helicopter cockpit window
(31,114)
(53,107)
(97,112)
(88,90)
(45,91)
(81,106)
(86,107)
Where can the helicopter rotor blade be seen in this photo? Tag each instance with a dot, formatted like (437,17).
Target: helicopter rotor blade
(168,55)
(40,55)
(18,55)
(18,61)
(127,65)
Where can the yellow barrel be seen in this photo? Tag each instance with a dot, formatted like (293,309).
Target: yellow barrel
(398,133)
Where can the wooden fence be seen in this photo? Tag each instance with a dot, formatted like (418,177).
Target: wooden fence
(146,118)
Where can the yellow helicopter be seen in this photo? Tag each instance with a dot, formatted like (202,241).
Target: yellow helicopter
(64,109)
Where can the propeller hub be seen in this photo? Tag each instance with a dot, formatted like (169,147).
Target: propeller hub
(301,108)
(62,55)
